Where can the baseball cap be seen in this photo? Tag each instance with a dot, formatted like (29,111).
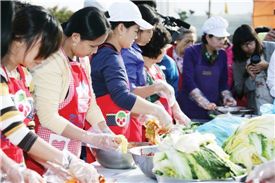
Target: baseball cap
(216,26)
(127,11)
(100,4)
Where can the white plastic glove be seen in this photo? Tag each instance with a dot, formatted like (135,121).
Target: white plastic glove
(100,127)
(164,118)
(263,173)
(105,141)
(203,102)
(80,170)
(15,172)
(31,176)
(228,100)
(163,89)
(179,116)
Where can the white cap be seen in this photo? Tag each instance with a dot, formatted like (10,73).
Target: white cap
(127,11)
(216,26)
(100,4)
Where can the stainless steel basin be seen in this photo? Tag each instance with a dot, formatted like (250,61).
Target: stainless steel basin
(115,159)
(143,157)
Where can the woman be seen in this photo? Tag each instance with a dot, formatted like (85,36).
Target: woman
(250,64)
(35,36)
(183,38)
(133,60)
(204,81)
(109,77)
(152,54)
(64,81)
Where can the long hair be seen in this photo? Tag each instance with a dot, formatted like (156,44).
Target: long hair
(243,34)
(7,11)
(34,23)
(89,22)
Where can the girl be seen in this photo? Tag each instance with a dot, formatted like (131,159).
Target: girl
(63,93)
(250,77)
(109,76)
(152,54)
(35,36)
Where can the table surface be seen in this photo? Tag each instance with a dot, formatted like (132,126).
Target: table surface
(123,175)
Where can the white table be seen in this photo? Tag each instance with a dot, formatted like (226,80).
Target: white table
(123,175)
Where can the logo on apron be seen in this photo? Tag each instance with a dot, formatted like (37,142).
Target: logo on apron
(121,118)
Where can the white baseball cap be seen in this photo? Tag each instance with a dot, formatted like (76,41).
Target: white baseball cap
(127,11)
(216,26)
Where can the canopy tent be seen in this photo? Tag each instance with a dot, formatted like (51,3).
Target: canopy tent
(264,13)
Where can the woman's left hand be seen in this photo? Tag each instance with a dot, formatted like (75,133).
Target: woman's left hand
(179,116)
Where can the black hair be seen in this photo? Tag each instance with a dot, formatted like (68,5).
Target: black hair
(89,22)
(126,24)
(18,5)
(161,37)
(7,10)
(148,14)
(242,35)
(33,23)
(151,3)
(203,38)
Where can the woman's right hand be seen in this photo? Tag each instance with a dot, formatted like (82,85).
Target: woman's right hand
(83,172)
(164,118)
(210,106)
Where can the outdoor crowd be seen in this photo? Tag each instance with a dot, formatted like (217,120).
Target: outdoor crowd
(101,75)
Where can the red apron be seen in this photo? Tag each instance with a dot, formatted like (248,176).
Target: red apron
(24,103)
(119,120)
(73,108)
(155,73)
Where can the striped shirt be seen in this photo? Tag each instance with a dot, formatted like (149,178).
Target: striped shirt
(11,120)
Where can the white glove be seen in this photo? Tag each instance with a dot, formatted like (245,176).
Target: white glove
(105,141)
(263,173)
(11,173)
(163,89)
(100,127)
(31,176)
(164,118)
(179,116)
(80,170)
(228,100)
(15,173)
(203,102)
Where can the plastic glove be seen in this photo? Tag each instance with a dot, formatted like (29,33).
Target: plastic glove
(179,116)
(198,97)
(83,172)
(104,141)
(100,127)
(164,118)
(31,176)
(263,173)
(13,173)
(228,100)
(165,90)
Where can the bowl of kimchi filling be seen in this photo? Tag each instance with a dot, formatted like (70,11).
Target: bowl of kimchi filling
(143,158)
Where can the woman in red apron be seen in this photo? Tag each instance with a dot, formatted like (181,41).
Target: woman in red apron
(63,93)
(27,48)
(109,78)
(153,53)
